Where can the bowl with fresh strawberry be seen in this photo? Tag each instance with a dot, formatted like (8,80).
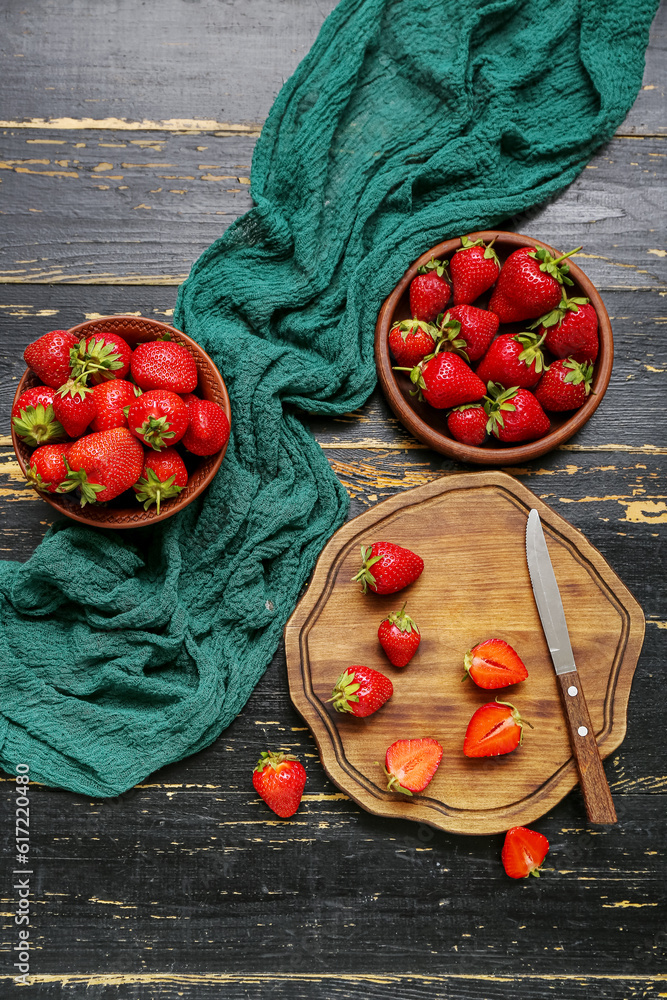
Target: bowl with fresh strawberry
(494,348)
(119,422)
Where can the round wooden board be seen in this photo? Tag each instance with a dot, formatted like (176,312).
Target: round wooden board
(470,531)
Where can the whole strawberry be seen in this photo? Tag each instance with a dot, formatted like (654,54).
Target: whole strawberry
(49,356)
(104,355)
(208,428)
(513,359)
(103,465)
(515,415)
(361,691)
(530,284)
(47,469)
(478,328)
(387,568)
(571,330)
(411,340)
(159,418)
(33,419)
(399,637)
(279,779)
(429,291)
(164,364)
(467,424)
(74,406)
(163,476)
(111,398)
(474,268)
(445,380)
(565,385)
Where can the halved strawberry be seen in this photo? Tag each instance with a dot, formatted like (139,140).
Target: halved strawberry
(494,664)
(361,691)
(496,728)
(410,764)
(523,852)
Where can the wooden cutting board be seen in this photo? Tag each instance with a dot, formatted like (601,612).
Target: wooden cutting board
(470,531)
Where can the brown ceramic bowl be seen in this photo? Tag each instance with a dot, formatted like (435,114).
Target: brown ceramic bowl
(430,425)
(125,511)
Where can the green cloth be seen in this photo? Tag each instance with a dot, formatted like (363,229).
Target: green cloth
(408,123)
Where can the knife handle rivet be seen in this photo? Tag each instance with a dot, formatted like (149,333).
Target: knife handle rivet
(572,690)
(582,731)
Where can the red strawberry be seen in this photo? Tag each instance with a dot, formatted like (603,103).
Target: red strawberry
(164,364)
(515,414)
(387,568)
(429,291)
(163,476)
(208,429)
(496,728)
(102,356)
(564,385)
(494,664)
(571,330)
(104,465)
(159,418)
(445,380)
(478,328)
(361,691)
(74,406)
(33,418)
(523,852)
(467,424)
(530,284)
(111,398)
(411,340)
(47,468)
(279,779)
(399,637)
(410,764)
(474,268)
(49,356)
(513,359)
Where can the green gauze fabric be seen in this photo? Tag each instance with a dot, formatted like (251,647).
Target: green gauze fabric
(407,123)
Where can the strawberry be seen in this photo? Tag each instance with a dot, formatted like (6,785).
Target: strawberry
(33,418)
(474,268)
(478,328)
(444,379)
(411,340)
(159,418)
(494,664)
(163,476)
(47,469)
(496,728)
(429,290)
(515,414)
(530,284)
(393,567)
(361,691)
(103,465)
(279,779)
(513,359)
(102,356)
(410,764)
(208,429)
(49,356)
(163,364)
(571,330)
(467,424)
(399,637)
(74,406)
(523,852)
(111,398)
(564,385)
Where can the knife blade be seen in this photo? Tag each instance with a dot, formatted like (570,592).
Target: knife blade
(593,781)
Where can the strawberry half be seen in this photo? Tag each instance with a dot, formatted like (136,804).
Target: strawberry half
(474,268)
(279,779)
(495,729)
(410,764)
(494,664)
(429,290)
(523,852)
(361,691)
(386,567)
(399,637)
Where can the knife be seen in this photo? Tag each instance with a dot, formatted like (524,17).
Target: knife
(597,797)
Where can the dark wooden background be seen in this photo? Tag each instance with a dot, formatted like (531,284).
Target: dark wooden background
(127,135)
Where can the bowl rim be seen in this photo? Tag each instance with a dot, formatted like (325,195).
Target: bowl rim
(493,455)
(140,518)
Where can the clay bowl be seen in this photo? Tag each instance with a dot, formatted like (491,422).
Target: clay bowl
(430,425)
(125,511)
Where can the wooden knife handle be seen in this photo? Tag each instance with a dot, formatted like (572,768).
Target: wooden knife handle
(597,797)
